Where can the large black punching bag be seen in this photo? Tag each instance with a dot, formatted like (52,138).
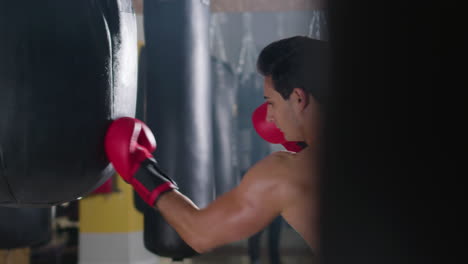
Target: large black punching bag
(178,109)
(66,69)
(24,227)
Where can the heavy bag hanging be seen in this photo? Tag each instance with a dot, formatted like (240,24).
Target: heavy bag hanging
(224,88)
(24,227)
(252,148)
(178,109)
(66,69)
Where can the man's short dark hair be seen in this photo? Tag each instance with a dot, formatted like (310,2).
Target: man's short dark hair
(296,62)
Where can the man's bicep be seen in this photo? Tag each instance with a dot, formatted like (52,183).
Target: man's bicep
(245,210)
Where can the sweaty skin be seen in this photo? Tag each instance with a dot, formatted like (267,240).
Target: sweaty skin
(283,183)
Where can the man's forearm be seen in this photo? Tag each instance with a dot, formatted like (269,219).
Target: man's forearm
(229,218)
(184,216)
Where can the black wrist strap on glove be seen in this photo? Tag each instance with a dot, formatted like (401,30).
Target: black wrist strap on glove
(150,181)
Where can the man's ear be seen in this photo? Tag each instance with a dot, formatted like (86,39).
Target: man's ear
(300,98)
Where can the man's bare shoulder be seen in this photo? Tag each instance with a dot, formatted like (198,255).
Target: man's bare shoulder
(264,182)
(278,160)
(272,168)
(291,170)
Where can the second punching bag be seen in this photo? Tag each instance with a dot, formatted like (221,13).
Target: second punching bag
(178,109)
(24,227)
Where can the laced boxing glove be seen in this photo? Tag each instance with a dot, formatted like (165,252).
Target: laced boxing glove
(129,144)
(269,132)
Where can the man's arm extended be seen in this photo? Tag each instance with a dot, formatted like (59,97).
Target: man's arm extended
(235,215)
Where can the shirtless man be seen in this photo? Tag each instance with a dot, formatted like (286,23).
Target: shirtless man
(284,183)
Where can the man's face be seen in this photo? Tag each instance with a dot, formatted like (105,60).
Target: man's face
(280,111)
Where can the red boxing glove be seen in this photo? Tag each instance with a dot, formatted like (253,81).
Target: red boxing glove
(269,132)
(129,144)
